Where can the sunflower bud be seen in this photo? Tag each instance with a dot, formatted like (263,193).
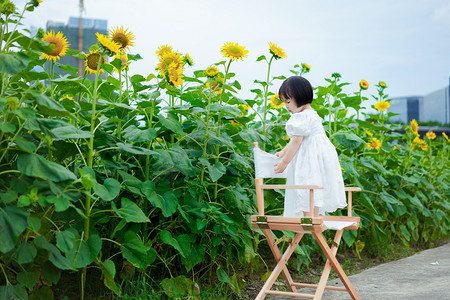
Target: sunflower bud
(7,8)
(40,33)
(11,103)
(35,3)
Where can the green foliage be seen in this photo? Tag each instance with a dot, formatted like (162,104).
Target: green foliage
(132,175)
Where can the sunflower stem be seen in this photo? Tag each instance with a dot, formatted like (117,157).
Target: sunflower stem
(87,205)
(220,117)
(266,91)
(52,77)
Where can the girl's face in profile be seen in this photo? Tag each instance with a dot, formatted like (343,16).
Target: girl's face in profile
(291,105)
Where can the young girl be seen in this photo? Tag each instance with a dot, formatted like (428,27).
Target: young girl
(312,157)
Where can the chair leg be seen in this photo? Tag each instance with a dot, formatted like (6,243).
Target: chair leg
(327,269)
(335,264)
(277,254)
(281,265)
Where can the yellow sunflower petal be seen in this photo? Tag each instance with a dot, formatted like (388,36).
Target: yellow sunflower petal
(234,51)
(122,37)
(58,43)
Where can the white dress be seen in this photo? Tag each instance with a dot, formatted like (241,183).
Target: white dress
(315,163)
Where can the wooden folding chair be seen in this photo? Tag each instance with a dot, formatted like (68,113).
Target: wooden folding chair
(313,224)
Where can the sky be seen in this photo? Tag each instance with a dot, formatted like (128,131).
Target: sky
(405,43)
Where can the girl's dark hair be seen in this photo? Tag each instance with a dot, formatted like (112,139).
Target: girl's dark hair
(297,88)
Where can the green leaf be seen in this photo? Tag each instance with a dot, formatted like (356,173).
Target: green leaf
(405,232)
(222,275)
(13,221)
(179,287)
(389,199)
(130,212)
(35,165)
(95,246)
(34,223)
(171,122)
(135,149)
(134,250)
(65,240)
(195,257)
(28,279)
(54,255)
(349,140)
(215,171)
(168,204)
(79,255)
(167,238)
(68,68)
(13,63)
(7,127)
(109,190)
(8,196)
(25,145)
(25,253)
(62,130)
(13,292)
(174,159)
(134,134)
(261,58)
(53,107)
(109,271)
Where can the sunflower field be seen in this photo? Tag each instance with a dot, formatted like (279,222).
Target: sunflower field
(110,178)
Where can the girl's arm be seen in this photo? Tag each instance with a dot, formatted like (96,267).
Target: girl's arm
(289,152)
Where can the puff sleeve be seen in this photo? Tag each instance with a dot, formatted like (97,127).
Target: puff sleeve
(298,124)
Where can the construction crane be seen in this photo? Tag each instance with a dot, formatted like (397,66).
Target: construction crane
(80,37)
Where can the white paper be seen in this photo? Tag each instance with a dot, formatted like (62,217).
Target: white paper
(265,165)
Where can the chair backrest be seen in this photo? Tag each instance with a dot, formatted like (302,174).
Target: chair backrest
(264,168)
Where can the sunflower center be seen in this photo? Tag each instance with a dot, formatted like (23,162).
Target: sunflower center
(235,50)
(92,61)
(121,39)
(56,45)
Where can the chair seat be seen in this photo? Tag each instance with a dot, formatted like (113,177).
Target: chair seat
(319,223)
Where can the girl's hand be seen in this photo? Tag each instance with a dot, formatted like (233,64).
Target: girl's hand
(280,166)
(279,154)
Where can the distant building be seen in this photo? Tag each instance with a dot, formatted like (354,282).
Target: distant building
(70,31)
(432,107)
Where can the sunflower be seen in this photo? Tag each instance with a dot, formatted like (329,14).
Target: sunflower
(167,60)
(276,51)
(446,137)
(382,84)
(92,60)
(163,50)
(58,43)
(215,85)
(108,45)
(421,143)
(382,105)
(233,51)
(122,37)
(7,7)
(276,102)
(306,67)
(431,135)
(374,143)
(175,74)
(188,60)
(244,107)
(369,133)
(211,72)
(414,126)
(66,97)
(123,61)
(364,84)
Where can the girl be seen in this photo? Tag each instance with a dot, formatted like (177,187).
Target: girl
(311,156)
